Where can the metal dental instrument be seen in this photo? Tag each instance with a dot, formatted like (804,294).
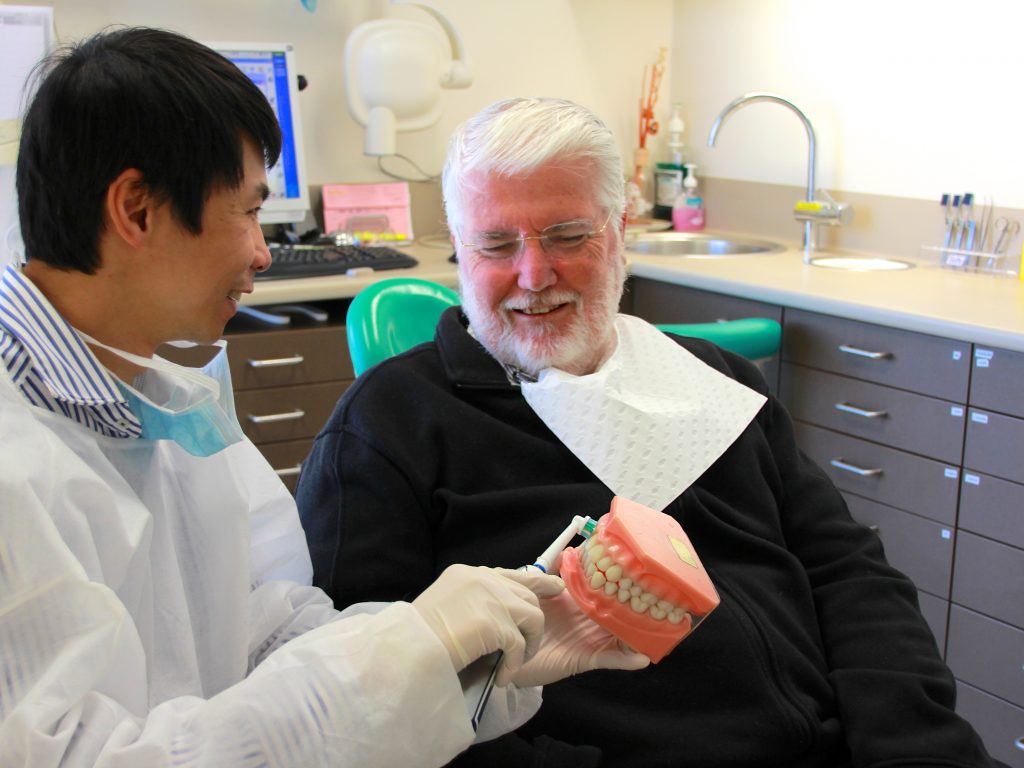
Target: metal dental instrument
(1006,230)
(985,223)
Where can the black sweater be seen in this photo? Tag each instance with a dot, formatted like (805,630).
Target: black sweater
(817,656)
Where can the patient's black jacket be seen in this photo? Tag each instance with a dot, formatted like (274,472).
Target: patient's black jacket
(817,656)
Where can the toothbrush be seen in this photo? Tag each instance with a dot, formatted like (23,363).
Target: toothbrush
(967,205)
(945,203)
(580,526)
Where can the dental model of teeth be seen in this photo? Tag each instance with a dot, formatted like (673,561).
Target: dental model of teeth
(639,577)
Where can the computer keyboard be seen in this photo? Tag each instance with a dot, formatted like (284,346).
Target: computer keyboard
(318,260)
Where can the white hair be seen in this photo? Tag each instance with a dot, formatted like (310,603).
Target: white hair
(516,136)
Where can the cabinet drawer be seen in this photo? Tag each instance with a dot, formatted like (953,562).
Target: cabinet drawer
(936,613)
(999,723)
(996,381)
(995,444)
(992,507)
(286,459)
(920,548)
(989,578)
(287,413)
(902,480)
(658,302)
(917,362)
(884,415)
(999,668)
(288,357)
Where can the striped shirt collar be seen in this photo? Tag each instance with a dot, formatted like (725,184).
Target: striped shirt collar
(47,360)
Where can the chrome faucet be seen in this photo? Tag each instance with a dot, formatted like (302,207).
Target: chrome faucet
(809,211)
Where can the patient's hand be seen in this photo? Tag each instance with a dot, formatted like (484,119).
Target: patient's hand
(572,643)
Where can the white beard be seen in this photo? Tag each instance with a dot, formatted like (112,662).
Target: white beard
(579,350)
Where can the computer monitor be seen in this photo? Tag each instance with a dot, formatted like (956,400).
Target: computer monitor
(272,67)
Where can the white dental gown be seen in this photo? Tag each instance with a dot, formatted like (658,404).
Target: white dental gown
(155,611)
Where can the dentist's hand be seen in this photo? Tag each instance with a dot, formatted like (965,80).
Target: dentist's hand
(476,611)
(572,643)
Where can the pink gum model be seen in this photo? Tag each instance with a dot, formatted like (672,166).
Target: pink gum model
(639,577)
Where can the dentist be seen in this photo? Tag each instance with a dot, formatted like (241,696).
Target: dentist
(155,606)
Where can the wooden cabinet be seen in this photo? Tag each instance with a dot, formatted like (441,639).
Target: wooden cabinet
(883,411)
(286,382)
(924,436)
(986,623)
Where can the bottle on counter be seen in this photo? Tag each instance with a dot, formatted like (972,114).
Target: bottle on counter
(669,173)
(688,209)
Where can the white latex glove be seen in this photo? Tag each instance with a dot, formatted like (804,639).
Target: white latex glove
(572,643)
(476,611)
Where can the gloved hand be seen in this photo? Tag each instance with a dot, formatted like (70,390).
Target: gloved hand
(572,643)
(476,611)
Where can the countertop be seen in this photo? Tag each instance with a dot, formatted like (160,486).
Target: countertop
(975,307)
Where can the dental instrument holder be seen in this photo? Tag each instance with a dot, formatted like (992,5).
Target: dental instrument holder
(988,261)
(810,211)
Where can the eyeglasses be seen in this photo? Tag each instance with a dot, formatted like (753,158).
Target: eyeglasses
(562,241)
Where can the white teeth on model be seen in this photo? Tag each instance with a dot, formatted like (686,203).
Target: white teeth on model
(605,574)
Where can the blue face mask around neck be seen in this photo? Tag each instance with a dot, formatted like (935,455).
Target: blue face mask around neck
(198,411)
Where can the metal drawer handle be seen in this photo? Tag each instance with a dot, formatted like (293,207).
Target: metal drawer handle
(864,352)
(277,362)
(1019,743)
(288,471)
(295,415)
(847,408)
(842,464)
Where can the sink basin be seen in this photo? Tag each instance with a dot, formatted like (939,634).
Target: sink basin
(858,264)
(696,245)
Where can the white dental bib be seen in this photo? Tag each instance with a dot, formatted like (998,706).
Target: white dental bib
(651,420)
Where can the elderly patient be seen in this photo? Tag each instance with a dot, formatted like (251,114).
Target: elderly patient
(474,448)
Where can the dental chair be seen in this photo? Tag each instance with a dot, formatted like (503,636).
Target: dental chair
(396,314)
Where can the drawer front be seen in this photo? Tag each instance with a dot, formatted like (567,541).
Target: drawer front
(989,578)
(995,444)
(884,415)
(920,548)
(992,507)
(996,381)
(999,723)
(658,302)
(923,486)
(987,654)
(917,362)
(287,413)
(288,357)
(286,458)
(936,613)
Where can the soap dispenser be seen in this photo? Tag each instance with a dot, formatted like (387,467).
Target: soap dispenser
(688,209)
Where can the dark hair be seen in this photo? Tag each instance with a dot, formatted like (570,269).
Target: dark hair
(138,98)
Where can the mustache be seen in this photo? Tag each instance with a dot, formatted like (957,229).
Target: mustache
(546,299)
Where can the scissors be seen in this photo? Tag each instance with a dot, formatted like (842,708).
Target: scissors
(1006,230)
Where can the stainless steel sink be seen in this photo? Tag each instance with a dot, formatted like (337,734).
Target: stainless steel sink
(861,264)
(697,245)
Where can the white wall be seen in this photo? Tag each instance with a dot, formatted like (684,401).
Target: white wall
(909,98)
(592,51)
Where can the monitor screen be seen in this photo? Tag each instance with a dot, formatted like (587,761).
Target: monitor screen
(272,67)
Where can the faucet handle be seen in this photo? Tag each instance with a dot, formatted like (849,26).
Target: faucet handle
(823,211)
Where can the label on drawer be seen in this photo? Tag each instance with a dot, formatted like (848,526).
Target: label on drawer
(972,479)
(980,418)
(950,472)
(957,411)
